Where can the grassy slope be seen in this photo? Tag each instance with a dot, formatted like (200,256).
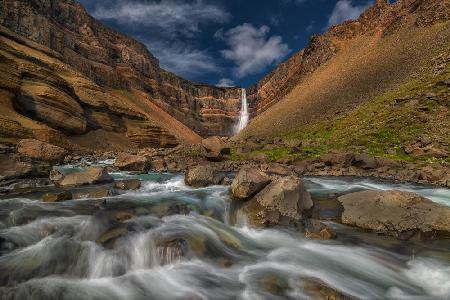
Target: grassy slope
(388,119)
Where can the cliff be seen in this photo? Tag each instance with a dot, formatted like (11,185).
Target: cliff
(70,74)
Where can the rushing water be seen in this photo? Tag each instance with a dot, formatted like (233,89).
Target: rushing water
(49,251)
(243,116)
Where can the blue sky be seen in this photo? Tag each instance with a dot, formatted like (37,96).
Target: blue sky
(223,42)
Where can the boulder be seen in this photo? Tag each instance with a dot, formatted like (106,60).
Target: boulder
(395,212)
(56,197)
(202,175)
(41,151)
(130,184)
(365,161)
(129,162)
(89,176)
(337,158)
(248,182)
(278,169)
(217,145)
(282,202)
(158,164)
(12,168)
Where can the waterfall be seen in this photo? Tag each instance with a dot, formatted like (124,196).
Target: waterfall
(243,117)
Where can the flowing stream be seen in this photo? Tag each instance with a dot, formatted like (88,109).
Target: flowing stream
(170,241)
(243,116)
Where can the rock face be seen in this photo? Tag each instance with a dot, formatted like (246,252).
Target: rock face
(393,212)
(202,175)
(282,202)
(80,75)
(35,149)
(90,176)
(248,182)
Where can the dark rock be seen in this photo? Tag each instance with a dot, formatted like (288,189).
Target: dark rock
(365,161)
(248,182)
(315,229)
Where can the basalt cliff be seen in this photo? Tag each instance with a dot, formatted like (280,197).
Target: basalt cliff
(69,80)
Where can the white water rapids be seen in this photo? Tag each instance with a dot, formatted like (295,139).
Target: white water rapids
(244,116)
(178,245)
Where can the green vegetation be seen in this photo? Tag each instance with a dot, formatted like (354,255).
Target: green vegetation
(385,125)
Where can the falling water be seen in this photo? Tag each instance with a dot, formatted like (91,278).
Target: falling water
(243,117)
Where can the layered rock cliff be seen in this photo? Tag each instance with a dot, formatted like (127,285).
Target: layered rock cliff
(382,19)
(68,74)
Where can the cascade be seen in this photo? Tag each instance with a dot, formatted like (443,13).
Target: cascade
(243,117)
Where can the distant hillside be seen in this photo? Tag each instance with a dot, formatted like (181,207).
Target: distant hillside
(379,84)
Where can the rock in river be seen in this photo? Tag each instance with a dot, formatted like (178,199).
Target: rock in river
(394,212)
(282,202)
(202,175)
(89,176)
(248,182)
(128,162)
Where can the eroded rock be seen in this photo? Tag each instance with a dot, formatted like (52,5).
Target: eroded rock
(129,162)
(38,150)
(89,176)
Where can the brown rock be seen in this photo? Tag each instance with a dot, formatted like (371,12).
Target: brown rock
(129,162)
(56,176)
(130,184)
(365,161)
(93,193)
(248,182)
(217,145)
(51,197)
(158,164)
(394,212)
(317,230)
(90,176)
(41,151)
(282,202)
(202,175)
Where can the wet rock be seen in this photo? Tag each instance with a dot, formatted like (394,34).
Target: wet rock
(10,168)
(248,182)
(395,212)
(109,237)
(38,150)
(56,197)
(94,193)
(282,202)
(316,289)
(123,216)
(315,229)
(171,251)
(89,176)
(202,175)
(130,184)
(129,162)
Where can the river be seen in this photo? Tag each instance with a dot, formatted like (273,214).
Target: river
(175,242)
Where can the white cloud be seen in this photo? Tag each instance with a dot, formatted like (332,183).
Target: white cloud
(251,49)
(225,82)
(184,60)
(171,16)
(344,10)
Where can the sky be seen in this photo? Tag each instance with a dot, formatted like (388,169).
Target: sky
(223,42)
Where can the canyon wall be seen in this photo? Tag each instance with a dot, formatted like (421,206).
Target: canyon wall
(69,72)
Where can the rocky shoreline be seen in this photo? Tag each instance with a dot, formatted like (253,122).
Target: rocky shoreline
(265,194)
